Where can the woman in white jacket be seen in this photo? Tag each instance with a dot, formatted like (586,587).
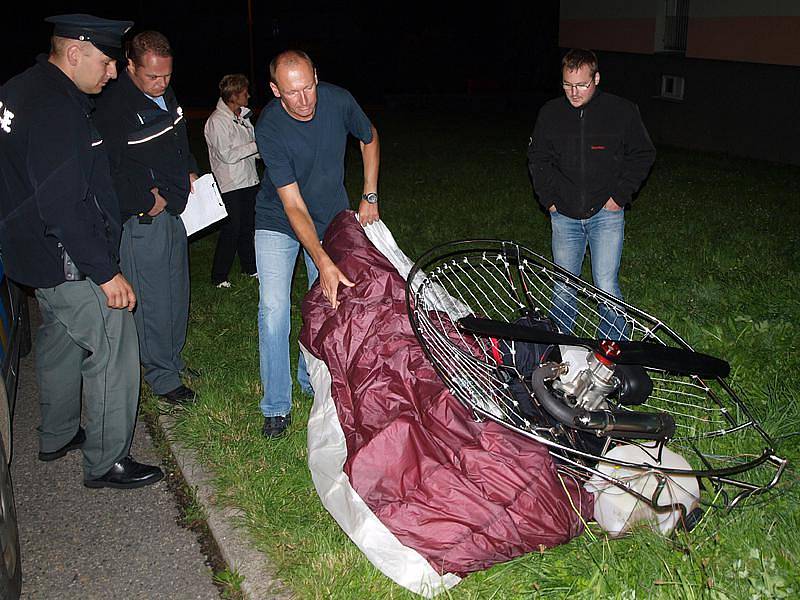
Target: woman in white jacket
(232,153)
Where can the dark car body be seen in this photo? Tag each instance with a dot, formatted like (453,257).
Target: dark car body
(15,341)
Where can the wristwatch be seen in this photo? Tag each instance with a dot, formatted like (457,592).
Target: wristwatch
(372,197)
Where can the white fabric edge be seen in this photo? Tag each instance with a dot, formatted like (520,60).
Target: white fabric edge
(327,453)
(435,296)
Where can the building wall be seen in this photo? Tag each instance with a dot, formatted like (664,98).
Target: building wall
(761,31)
(760,39)
(618,35)
(745,109)
(614,25)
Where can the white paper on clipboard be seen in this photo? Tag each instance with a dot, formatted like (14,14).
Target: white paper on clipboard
(204,206)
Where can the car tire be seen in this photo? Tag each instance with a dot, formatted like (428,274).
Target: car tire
(10,558)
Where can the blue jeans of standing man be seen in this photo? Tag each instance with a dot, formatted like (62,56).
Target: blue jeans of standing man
(604,233)
(276,254)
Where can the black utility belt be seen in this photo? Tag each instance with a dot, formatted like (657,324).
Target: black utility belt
(145,219)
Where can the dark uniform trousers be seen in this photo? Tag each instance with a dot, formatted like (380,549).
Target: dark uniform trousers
(83,341)
(154,259)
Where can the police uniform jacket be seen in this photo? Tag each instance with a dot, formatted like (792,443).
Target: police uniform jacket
(148,147)
(55,186)
(581,157)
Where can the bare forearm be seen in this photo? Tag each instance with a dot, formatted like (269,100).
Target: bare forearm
(303,227)
(330,277)
(371,155)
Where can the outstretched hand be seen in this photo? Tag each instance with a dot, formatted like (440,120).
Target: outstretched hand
(329,279)
(367,213)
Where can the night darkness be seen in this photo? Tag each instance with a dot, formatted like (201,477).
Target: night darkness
(371,49)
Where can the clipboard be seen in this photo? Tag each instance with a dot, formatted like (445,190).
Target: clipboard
(204,206)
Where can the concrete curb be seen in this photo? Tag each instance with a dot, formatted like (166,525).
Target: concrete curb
(260,581)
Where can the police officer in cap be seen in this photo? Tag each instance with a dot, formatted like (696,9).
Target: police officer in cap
(60,234)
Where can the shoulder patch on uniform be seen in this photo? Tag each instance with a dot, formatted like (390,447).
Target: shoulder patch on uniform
(6,117)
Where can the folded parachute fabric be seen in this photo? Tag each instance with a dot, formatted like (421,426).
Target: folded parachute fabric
(428,494)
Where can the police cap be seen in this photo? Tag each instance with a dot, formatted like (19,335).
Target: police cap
(105,34)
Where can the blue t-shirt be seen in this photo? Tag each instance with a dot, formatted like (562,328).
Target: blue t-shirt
(310,153)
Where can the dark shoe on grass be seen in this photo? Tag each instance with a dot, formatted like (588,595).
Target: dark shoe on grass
(180,395)
(127,474)
(75,443)
(275,427)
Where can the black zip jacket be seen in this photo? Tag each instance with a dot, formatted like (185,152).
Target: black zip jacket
(55,185)
(580,157)
(148,147)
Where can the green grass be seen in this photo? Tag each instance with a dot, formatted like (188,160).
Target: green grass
(711,248)
(230,583)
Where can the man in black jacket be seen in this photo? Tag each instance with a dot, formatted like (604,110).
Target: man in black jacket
(153,170)
(59,232)
(588,156)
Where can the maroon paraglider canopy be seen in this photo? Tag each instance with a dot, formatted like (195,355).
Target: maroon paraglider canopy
(464,495)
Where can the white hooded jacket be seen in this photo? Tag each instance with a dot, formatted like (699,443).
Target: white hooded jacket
(232,148)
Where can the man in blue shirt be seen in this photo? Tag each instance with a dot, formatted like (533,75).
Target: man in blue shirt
(302,137)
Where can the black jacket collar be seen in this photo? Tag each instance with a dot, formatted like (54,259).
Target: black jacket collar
(592,101)
(58,76)
(140,99)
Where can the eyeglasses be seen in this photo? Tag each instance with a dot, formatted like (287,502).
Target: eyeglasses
(568,87)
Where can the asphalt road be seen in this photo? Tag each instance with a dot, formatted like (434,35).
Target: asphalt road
(97,544)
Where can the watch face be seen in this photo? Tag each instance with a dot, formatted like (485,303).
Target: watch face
(372,197)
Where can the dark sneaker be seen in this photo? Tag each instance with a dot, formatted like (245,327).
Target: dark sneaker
(180,395)
(275,427)
(75,443)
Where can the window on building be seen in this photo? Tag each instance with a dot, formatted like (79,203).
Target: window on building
(672,87)
(676,24)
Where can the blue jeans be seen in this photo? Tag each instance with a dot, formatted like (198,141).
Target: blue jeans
(276,254)
(604,233)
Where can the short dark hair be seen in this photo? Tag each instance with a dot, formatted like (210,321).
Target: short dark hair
(577,58)
(232,85)
(290,57)
(59,44)
(148,41)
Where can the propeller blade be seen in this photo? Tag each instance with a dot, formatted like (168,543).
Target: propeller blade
(647,354)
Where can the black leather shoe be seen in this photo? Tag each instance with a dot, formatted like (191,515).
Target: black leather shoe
(75,443)
(180,395)
(275,427)
(127,474)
